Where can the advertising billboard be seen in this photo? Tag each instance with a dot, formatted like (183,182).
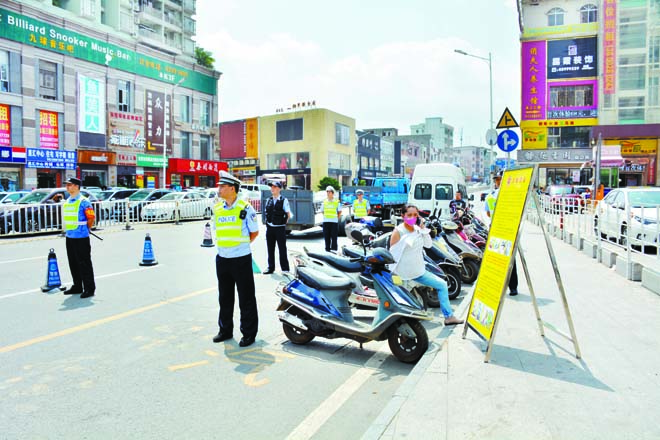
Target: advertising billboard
(232,140)
(572,58)
(5,124)
(48,130)
(157,122)
(533,80)
(609,47)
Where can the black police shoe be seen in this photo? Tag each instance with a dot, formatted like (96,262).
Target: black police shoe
(221,337)
(269,271)
(246,340)
(87,294)
(73,290)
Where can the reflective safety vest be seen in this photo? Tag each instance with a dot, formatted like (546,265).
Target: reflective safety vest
(491,199)
(330,208)
(229,225)
(359,209)
(70,215)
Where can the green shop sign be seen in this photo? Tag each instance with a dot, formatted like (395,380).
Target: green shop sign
(27,30)
(149,160)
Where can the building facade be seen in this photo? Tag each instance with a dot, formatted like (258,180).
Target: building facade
(442,136)
(474,161)
(590,71)
(83,96)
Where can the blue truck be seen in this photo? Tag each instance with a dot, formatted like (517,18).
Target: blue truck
(386,195)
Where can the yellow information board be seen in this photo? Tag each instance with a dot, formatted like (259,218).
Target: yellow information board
(500,251)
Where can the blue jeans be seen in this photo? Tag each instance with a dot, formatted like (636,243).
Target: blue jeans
(430,280)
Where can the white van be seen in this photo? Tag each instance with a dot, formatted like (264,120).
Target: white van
(434,185)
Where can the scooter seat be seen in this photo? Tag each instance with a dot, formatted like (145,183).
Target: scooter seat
(322,281)
(336,261)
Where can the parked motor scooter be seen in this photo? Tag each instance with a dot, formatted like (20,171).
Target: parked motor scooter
(316,304)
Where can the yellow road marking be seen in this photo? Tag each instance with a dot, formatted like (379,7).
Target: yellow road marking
(212,353)
(261,358)
(99,322)
(184,366)
(241,361)
(251,380)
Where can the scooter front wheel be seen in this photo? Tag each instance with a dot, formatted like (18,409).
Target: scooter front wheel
(405,348)
(470,272)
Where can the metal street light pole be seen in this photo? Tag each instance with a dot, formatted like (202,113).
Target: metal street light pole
(171,134)
(489,60)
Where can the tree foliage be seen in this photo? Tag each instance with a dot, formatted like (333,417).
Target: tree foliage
(323,184)
(204,57)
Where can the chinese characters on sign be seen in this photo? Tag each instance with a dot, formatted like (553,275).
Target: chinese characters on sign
(609,47)
(5,133)
(126,130)
(574,58)
(60,159)
(563,114)
(48,130)
(558,155)
(157,123)
(533,80)
(91,95)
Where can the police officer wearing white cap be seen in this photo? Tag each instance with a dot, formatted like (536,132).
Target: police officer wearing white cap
(331,212)
(361,206)
(235,228)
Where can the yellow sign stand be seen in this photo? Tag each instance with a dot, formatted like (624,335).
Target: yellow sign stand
(499,258)
(507,120)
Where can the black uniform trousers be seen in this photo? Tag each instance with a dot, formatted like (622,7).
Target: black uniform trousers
(79,253)
(236,272)
(276,234)
(513,279)
(330,232)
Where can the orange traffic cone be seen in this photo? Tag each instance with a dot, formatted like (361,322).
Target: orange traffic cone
(208,241)
(53,281)
(148,258)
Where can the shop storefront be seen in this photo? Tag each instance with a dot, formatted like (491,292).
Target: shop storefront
(12,161)
(126,171)
(94,167)
(50,165)
(561,166)
(186,173)
(148,171)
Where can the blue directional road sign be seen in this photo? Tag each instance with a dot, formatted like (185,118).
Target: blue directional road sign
(507,141)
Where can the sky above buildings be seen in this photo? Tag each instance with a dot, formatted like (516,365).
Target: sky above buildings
(386,63)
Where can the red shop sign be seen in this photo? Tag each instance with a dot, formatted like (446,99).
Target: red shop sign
(195,166)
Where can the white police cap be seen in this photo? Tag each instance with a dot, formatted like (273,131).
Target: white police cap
(228,179)
(329,188)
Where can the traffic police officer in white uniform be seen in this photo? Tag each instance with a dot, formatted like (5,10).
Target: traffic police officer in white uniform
(361,206)
(235,228)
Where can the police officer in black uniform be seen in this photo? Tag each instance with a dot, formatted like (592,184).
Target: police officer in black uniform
(277,214)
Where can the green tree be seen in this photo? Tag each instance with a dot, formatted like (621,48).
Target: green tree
(323,184)
(204,57)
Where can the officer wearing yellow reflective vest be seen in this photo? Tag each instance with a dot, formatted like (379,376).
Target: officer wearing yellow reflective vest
(361,206)
(78,218)
(235,228)
(331,211)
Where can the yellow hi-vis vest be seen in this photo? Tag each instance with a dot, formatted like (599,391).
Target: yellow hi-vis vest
(359,209)
(491,200)
(330,208)
(228,225)
(70,215)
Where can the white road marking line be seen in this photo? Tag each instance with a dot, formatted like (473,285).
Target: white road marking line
(10,295)
(313,422)
(22,259)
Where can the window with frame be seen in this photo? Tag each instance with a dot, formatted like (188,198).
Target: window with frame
(88,8)
(47,80)
(4,71)
(554,134)
(205,113)
(632,77)
(185,108)
(654,91)
(572,96)
(185,145)
(631,108)
(589,14)
(124,96)
(654,52)
(556,17)
(289,130)
(342,135)
(339,160)
(204,147)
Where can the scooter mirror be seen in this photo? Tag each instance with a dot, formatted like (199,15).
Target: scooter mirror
(357,235)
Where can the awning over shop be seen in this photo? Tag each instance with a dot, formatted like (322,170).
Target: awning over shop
(610,156)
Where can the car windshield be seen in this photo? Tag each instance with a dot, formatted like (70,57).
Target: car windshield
(645,199)
(172,196)
(105,195)
(560,190)
(33,197)
(140,195)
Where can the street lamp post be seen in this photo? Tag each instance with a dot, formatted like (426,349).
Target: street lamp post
(171,135)
(489,60)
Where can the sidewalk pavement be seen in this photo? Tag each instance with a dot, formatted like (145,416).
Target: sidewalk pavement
(534,387)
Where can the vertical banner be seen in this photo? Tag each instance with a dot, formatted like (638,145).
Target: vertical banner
(609,47)
(252,138)
(5,124)
(157,123)
(533,80)
(91,105)
(48,130)
(500,251)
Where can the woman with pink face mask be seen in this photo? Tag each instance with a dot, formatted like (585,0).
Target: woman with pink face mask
(407,246)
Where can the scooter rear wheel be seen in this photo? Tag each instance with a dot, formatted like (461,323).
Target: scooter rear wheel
(404,348)
(471,272)
(296,335)
(453,282)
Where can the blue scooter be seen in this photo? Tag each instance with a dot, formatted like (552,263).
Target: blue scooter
(316,304)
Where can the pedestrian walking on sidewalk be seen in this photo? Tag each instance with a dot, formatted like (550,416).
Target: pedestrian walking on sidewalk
(235,228)
(407,246)
(276,214)
(331,212)
(78,216)
(491,202)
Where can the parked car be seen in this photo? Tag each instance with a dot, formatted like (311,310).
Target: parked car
(184,204)
(108,199)
(630,212)
(562,198)
(11,196)
(38,210)
(136,201)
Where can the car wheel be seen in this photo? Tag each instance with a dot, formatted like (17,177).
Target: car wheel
(31,225)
